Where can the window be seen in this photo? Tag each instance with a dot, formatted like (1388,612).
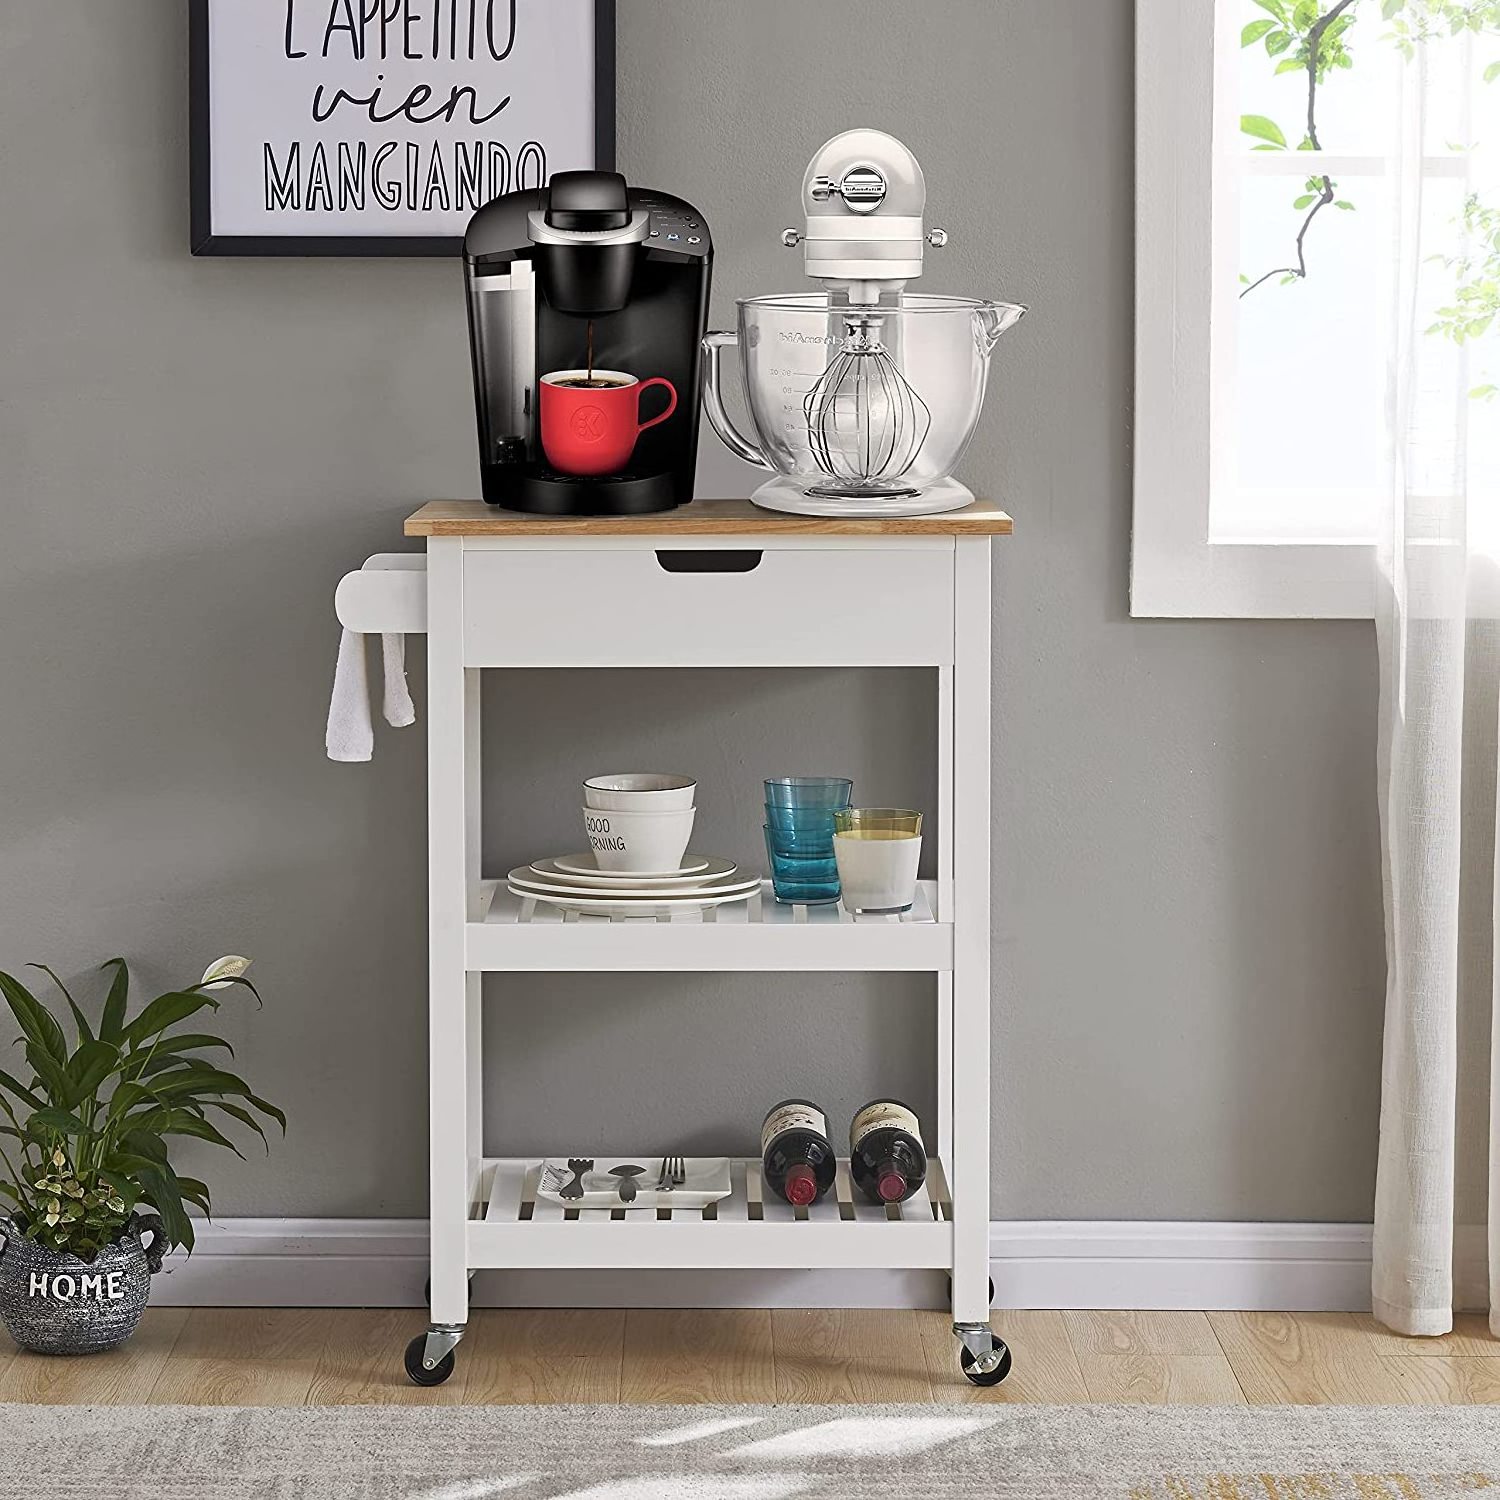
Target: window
(1265,246)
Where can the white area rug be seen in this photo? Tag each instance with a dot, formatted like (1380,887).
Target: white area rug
(748,1453)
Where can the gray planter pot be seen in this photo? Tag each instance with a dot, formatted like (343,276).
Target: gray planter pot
(57,1304)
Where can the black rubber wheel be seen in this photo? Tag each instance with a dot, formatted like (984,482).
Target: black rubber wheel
(992,1290)
(417,1372)
(995,1376)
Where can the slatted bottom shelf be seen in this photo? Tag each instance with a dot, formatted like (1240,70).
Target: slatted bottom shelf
(511,1226)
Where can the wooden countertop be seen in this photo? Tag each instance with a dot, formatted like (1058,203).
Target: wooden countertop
(701,518)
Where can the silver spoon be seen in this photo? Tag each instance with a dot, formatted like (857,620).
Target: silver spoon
(627,1176)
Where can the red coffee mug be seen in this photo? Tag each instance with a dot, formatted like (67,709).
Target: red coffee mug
(589,430)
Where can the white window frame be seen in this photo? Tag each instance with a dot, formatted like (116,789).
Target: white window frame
(1177,569)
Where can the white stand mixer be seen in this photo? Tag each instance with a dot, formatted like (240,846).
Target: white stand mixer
(864,396)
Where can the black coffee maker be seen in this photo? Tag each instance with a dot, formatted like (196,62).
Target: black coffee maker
(586,273)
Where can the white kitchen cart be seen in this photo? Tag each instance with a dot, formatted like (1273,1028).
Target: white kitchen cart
(900,592)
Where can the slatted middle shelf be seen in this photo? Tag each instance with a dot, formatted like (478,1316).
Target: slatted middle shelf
(511,1225)
(512,933)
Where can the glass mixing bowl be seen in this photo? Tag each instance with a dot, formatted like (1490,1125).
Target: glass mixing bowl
(857,402)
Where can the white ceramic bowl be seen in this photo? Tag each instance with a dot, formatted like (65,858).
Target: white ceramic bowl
(639,843)
(642,791)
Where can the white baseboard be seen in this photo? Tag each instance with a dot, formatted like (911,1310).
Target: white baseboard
(383,1263)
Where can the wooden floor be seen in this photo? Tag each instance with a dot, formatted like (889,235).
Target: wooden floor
(289,1357)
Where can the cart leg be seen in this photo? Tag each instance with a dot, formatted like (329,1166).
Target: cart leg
(452,698)
(944,913)
(971,963)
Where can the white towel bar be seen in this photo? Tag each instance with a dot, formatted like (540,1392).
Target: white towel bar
(388,594)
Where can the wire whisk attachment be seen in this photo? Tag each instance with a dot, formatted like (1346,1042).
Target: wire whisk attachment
(865,423)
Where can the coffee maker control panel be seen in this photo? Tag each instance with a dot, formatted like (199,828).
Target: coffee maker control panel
(674,225)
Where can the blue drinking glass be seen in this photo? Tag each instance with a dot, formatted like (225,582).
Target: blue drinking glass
(825,792)
(806,826)
(802,877)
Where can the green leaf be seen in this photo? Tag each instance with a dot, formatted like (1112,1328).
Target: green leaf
(196,1193)
(50,1072)
(1304,13)
(144,1144)
(198,1078)
(243,1116)
(126,1096)
(1304,201)
(1343,203)
(164,1011)
(160,1062)
(1255,31)
(1276,8)
(1389,9)
(85,1033)
(16,1087)
(226,979)
(196,1041)
(58,1121)
(113,1021)
(165,1194)
(163,1122)
(1483,392)
(269,1109)
(89,1067)
(1263,129)
(1492,72)
(36,1021)
(1288,65)
(1278,42)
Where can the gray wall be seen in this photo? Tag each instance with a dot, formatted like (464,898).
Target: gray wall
(1188,947)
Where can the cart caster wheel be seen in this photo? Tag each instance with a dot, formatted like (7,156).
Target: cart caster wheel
(992,1289)
(975,1371)
(427,1290)
(417,1372)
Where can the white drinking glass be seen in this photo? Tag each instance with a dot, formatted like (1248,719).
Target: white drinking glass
(878,850)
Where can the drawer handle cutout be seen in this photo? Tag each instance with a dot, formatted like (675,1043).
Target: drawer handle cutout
(702,560)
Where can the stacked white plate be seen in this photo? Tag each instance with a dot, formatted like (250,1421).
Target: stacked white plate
(576,883)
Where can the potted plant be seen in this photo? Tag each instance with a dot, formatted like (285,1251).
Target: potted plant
(84,1156)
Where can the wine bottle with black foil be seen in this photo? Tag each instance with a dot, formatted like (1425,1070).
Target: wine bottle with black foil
(796,1156)
(886,1157)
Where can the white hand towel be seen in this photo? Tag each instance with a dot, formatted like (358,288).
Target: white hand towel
(399,710)
(350,735)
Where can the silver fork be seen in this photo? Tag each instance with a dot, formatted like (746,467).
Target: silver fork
(673,1174)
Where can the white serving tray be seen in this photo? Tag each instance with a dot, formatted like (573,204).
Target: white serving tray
(706,1181)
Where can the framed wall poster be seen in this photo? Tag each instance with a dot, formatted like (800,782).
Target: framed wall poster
(377,127)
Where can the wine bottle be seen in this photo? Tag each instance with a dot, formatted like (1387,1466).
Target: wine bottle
(796,1156)
(886,1157)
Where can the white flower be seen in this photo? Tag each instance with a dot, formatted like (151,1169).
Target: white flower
(231,966)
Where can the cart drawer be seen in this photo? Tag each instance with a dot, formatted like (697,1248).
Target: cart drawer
(880,605)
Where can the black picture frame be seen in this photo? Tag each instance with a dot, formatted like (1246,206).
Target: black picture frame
(205,242)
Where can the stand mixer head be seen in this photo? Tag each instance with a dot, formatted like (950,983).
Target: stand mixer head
(863,197)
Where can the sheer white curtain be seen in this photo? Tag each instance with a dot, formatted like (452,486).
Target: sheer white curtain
(1437,1207)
